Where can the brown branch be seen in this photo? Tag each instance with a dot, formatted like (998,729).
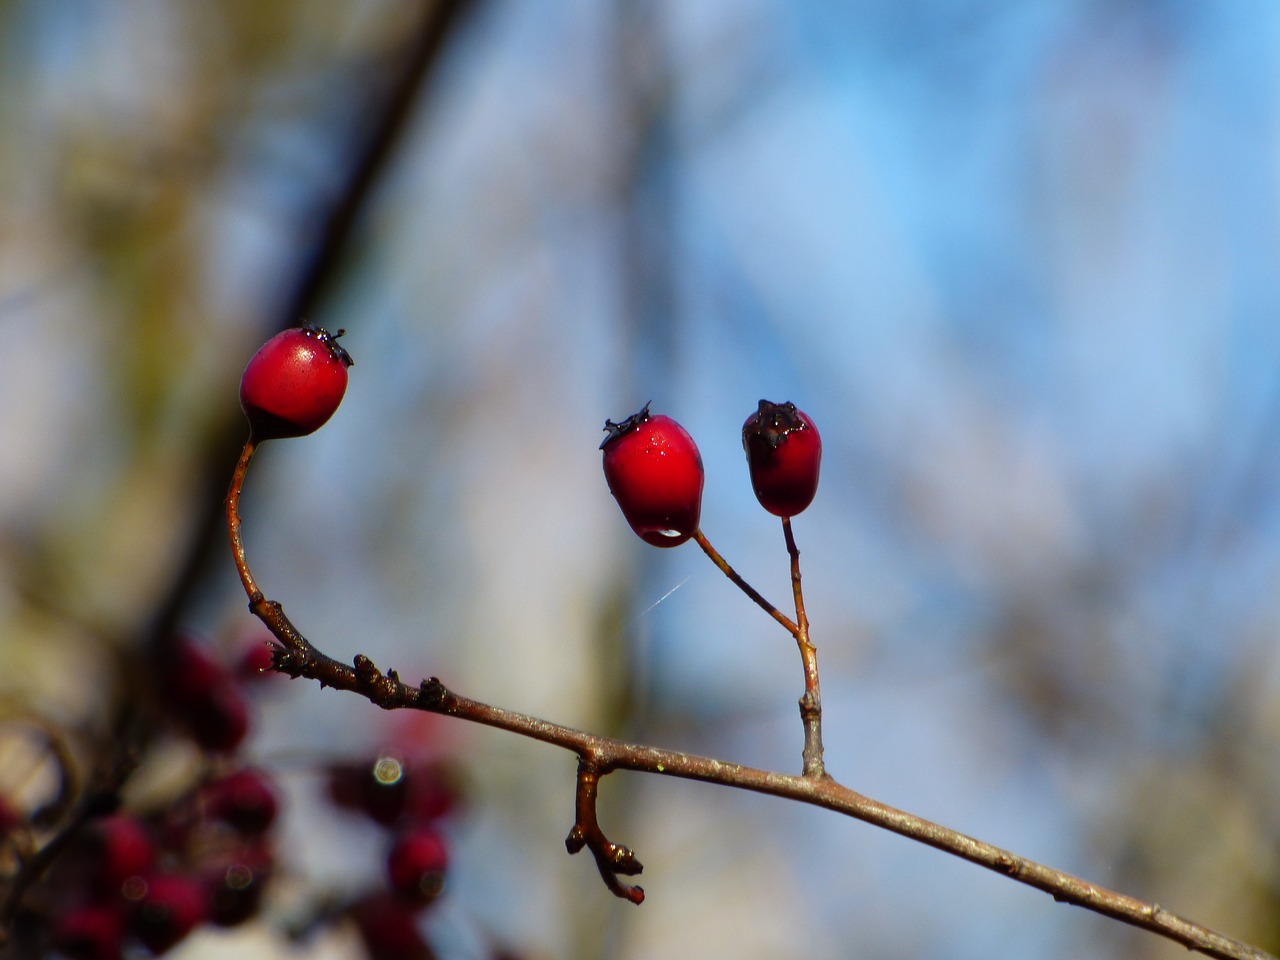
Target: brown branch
(599,756)
(612,859)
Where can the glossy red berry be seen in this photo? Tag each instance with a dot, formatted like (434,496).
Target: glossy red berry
(654,471)
(784,453)
(91,931)
(245,800)
(416,864)
(121,847)
(389,928)
(294,383)
(170,907)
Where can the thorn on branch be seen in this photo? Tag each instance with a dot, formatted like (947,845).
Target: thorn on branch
(612,859)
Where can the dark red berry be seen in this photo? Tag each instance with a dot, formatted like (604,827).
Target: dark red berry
(234,883)
(244,800)
(654,471)
(202,695)
(169,908)
(219,721)
(120,847)
(433,793)
(185,670)
(10,819)
(784,453)
(389,928)
(416,864)
(294,383)
(377,788)
(91,931)
(257,659)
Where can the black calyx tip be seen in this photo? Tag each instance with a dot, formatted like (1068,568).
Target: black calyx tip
(771,424)
(616,430)
(330,340)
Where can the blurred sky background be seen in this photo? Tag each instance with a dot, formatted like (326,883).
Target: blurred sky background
(1017,260)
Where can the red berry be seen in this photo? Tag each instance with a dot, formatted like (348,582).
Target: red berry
(379,789)
(416,864)
(654,471)
(433,793)
(219,721)
(244,800)
(185,670)
(120,847)
(10,819)
(91,931)
(169,909)
(234,883)
(294,383)
(200,692)
(389,928)
(256,661)
(784,453)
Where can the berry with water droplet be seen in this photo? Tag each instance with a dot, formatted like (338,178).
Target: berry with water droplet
(654,471)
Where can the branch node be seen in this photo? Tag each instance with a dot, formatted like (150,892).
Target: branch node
(431,694)
(612,859)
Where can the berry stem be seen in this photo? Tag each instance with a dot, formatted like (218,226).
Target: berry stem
(742,585)
(811,702)
(233,519)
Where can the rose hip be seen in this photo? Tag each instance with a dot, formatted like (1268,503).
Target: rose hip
(294,383)
(654,471)
(784,453)
(416,864)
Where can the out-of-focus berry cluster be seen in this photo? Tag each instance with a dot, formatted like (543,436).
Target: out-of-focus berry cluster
(408,798)
(159,862)
(199,850)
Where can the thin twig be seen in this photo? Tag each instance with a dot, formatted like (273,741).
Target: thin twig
(233,516)
(742,585)
(612,859)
